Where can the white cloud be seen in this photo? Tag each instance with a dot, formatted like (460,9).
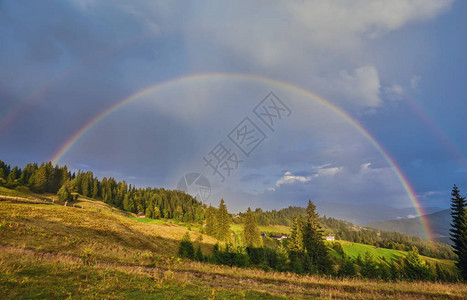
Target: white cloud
(394,92)
(320,171)
(270,32)
(325,171)
(271,189)
(319,42)
(289,178)
(362,86)
(348,21)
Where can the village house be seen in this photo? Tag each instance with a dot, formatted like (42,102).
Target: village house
(280,237)
(140,215)
(330,237)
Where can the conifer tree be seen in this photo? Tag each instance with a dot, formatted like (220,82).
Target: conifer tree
(313,240)
(41,179)
(223,222)
(347,267)
(13,176)
(211,221)
(459,230)
(369,267)
(186,249)
(414,268)
(4,170)
(95,188)
(199,254)
(251,232)
(156,213)
(64,193)
(295,241)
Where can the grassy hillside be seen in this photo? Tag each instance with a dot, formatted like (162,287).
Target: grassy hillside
(354,249)
(100,252)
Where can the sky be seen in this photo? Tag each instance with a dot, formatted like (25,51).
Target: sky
(272,102)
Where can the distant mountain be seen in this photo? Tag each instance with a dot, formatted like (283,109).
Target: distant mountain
(368,212)
(439,223)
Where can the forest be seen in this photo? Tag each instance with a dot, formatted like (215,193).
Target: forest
(304,251)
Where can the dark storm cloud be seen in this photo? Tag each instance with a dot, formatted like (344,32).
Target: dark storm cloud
(65,62)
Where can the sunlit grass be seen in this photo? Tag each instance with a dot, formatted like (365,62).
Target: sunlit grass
(53,251)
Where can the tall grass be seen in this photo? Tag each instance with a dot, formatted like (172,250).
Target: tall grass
(51,251)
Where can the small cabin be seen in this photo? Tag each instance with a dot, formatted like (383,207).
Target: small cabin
(280,237)
(330,237)
(140,215)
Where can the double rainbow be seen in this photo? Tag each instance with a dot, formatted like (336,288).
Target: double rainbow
(213,76)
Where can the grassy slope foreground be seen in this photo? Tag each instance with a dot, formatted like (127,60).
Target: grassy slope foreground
(52,251)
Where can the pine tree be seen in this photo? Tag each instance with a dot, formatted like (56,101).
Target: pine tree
(41,179)
(64,193)
(414,268)
(295,241)
(95,188)
(156,213)
(223,222)
(211,221)
(459,230)
(314,242)
(12,177)
(4,170)
(186,249)
(347,268)
(251,232)
(199,254)
(369,268)
(2,177)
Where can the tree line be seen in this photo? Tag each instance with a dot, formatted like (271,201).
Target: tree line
(347,231)
(305,252)
(154,202)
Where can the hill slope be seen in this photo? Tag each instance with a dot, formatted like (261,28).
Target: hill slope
(439,222)
(98,251)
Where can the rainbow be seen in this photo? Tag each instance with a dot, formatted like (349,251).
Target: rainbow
(212,76)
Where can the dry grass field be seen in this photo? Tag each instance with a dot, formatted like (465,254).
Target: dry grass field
(53,251)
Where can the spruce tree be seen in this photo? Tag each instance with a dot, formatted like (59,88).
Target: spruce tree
(41,179)
(459,230)
(211,221)
(95,188)
(64,193)
(314,242)
(186,249)
(295,241)
(251,231)
(414,268)
(223,222)
(347,268)
(199,254)
(12,177)
(369,268)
